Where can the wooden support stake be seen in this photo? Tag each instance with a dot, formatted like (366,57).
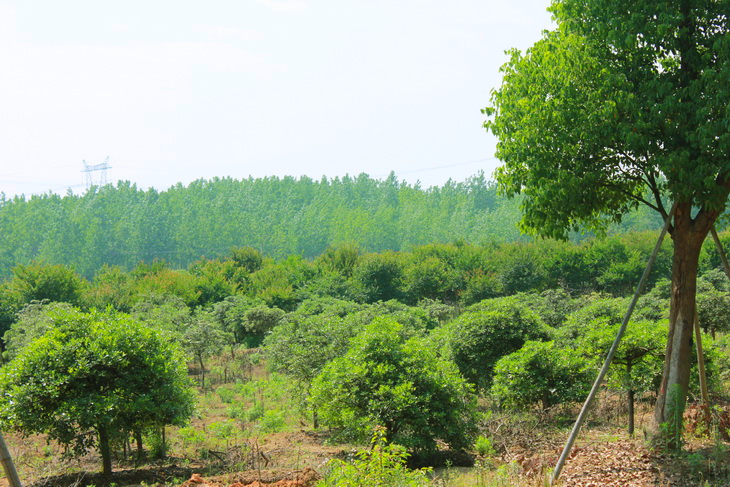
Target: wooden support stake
(720,250)
(612,351)
(698,335)
(8,465)
(701,362)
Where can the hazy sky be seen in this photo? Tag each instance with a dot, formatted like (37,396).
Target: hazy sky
(176,91)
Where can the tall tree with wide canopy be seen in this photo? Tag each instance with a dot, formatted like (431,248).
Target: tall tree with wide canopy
(624,103)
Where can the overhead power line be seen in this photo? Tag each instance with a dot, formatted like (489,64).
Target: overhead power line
(31,171)
(444,166)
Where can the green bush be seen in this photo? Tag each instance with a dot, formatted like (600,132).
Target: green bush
(522,268)
(637,364)
(713,308)
(225,430)
(255,413)
(165,313)
(247,258)
(321,330)
(429,278)
(552,305)
(380,276)
(383,465)
(39,281)
(340,259)
(191,436)
(488,331)
(610,311)
(100,372)
(480,285)
(112,286)
(413,318)
(540,372)
(231,313)
(226,394)
(272,421)
(484,447)
(327,306)
(300,347)
(388,380)
(245,414)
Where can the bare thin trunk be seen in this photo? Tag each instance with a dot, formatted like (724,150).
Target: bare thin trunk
(202,372)
(138,440)
(106,455)
(164,443)
(631,411)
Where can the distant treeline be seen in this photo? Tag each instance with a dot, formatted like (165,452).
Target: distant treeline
(122,225)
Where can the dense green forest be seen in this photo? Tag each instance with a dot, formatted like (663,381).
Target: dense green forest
(407,340)
(122,225)
(373,304)
(457,273)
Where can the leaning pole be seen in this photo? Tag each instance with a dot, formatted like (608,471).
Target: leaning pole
(8,465)
(721,251)
(611,352)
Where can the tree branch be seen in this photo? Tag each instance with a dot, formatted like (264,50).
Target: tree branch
(630,195)
(654,187)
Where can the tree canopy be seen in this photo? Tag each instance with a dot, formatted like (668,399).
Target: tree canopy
(621,98)
(92,376)
(540,372)
(623,104)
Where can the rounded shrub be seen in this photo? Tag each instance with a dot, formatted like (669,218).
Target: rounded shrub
(388,380)
(541,372)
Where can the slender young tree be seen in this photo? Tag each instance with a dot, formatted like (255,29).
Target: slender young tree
(624,104)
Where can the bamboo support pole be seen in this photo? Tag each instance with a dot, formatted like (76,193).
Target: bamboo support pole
(701,362)
(8,465)
(612,351)
(720,250)
(698,335)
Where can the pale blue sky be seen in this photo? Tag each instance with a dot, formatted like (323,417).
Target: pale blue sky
(176,91)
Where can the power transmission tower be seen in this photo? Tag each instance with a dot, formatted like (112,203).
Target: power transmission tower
(89,169)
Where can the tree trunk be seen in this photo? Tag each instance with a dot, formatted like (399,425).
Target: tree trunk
(202,372)
(106,454)
(630,397)
(164,442)
(678,358)
(138,439)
